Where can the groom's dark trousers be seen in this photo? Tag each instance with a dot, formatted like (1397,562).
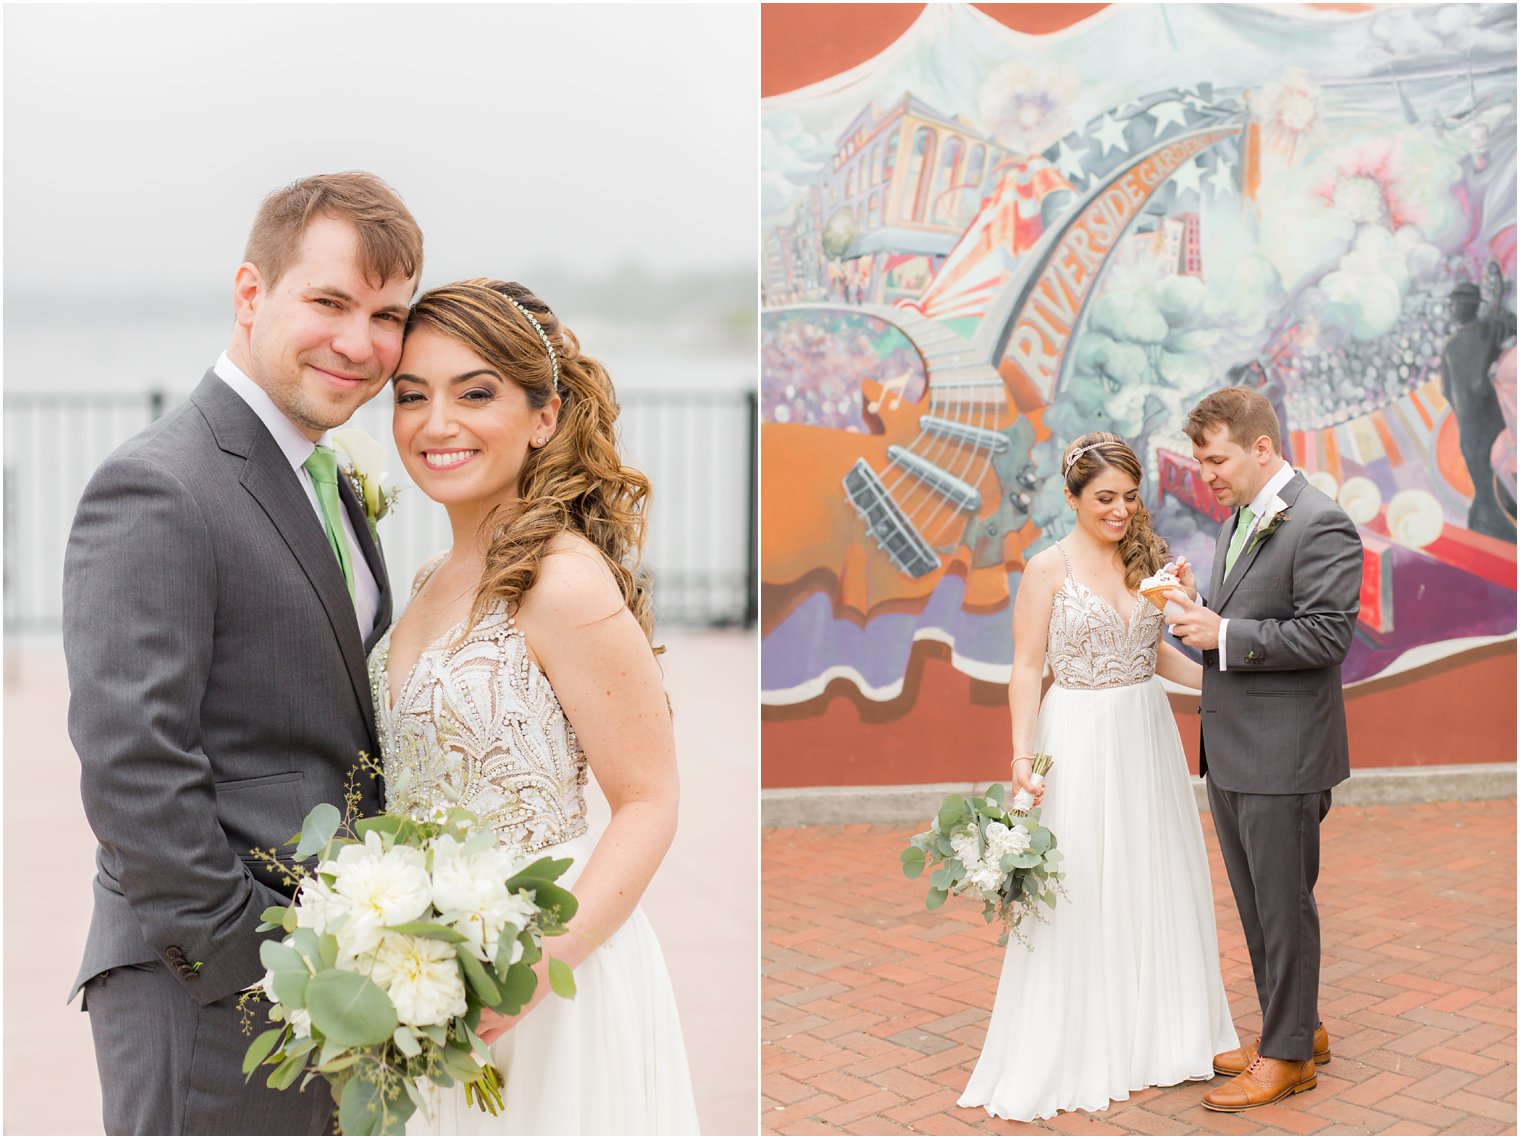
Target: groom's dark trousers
(1274,741)
(218,692)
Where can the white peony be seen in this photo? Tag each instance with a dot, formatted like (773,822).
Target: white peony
(474,886)
(986,877)
(380,888)
(966,845)
(297,1016)
(319,906)
(421,976)
(1003,840)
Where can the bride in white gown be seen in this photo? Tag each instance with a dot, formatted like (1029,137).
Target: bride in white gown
(522,662)
(1121,989)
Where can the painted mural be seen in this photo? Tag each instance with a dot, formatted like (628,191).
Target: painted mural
(980,244)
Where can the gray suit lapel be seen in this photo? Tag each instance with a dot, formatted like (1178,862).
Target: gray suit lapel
(1221,547)
(374,557)
(268,478)
(1289,495)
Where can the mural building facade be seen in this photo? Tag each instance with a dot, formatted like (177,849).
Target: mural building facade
(980,243)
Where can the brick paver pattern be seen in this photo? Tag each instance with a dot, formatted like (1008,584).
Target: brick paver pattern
(875,1008)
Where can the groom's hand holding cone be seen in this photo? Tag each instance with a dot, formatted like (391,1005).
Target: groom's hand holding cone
(1196,626)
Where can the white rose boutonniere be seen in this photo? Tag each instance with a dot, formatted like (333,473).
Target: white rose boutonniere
(364,467)
(1276,514)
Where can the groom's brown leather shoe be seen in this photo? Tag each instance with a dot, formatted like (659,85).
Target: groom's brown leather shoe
(1237,1060)
(1265,1081)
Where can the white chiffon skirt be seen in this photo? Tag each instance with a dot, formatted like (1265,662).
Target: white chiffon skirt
(609,1062)
(1122,989)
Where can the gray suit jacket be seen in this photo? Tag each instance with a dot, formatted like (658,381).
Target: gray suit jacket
(218,688)
(1274,722)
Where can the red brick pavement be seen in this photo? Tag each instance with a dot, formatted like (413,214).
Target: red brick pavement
(874,1008)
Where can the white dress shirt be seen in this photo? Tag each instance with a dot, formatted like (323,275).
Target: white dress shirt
(1269,488)
(298,448)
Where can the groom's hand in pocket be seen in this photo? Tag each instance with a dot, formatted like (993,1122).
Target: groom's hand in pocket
(1198,628)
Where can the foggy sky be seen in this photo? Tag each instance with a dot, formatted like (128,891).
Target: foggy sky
(580,138)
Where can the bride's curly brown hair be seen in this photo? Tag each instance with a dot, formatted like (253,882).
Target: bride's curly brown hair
(1141,549)
(576,482)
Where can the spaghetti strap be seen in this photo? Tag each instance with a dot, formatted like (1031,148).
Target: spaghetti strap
(1067,560)
(429,567)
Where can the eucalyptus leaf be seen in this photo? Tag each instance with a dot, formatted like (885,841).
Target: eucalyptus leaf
(274,915)
(935,899)
(532,952)
(546,869)
(285,1075)
(359,1107)
(551,897)
(437,1033)
(290,987)
(327,950)
(278,957)
(331,1049)
(458,1063)
(475,973)
(380,824)
(263,1044)
(349,1008)
(561,978)
(517,988)
(341,1064)
(304,942)
(317,831)
(406,1041)
(428,929)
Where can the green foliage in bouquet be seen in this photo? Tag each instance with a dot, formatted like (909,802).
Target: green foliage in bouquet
(977,845)
(340,1022)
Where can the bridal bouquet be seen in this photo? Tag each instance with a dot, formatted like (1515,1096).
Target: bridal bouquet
(404,932)
(993,849)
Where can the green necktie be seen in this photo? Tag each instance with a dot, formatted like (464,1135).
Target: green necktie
(1242,528)
(323,469)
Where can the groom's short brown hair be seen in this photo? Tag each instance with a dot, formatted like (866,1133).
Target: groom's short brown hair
(1247,414)
(390,241)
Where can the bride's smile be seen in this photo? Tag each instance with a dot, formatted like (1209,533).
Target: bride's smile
(463,430)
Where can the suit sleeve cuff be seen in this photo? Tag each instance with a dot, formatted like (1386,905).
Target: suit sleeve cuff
(1223,658)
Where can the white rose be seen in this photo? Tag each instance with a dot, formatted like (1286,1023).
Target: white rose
(380,888)
(421,976)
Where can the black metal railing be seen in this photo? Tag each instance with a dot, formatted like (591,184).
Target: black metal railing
(699,450)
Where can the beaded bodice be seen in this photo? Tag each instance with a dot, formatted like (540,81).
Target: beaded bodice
(1089,645)
(476,724)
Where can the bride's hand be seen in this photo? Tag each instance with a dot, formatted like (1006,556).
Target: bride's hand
(1023,769)
(494,1024)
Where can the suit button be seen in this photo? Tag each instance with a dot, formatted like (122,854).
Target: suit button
(174,953)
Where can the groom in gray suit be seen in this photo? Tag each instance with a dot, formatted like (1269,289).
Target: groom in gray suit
(221,589)
(1274,628)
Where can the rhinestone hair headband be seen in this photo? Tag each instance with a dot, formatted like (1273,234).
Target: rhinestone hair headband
(1074,455)
(542,335)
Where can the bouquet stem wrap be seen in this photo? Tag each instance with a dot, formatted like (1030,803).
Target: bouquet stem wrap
(1023,801)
